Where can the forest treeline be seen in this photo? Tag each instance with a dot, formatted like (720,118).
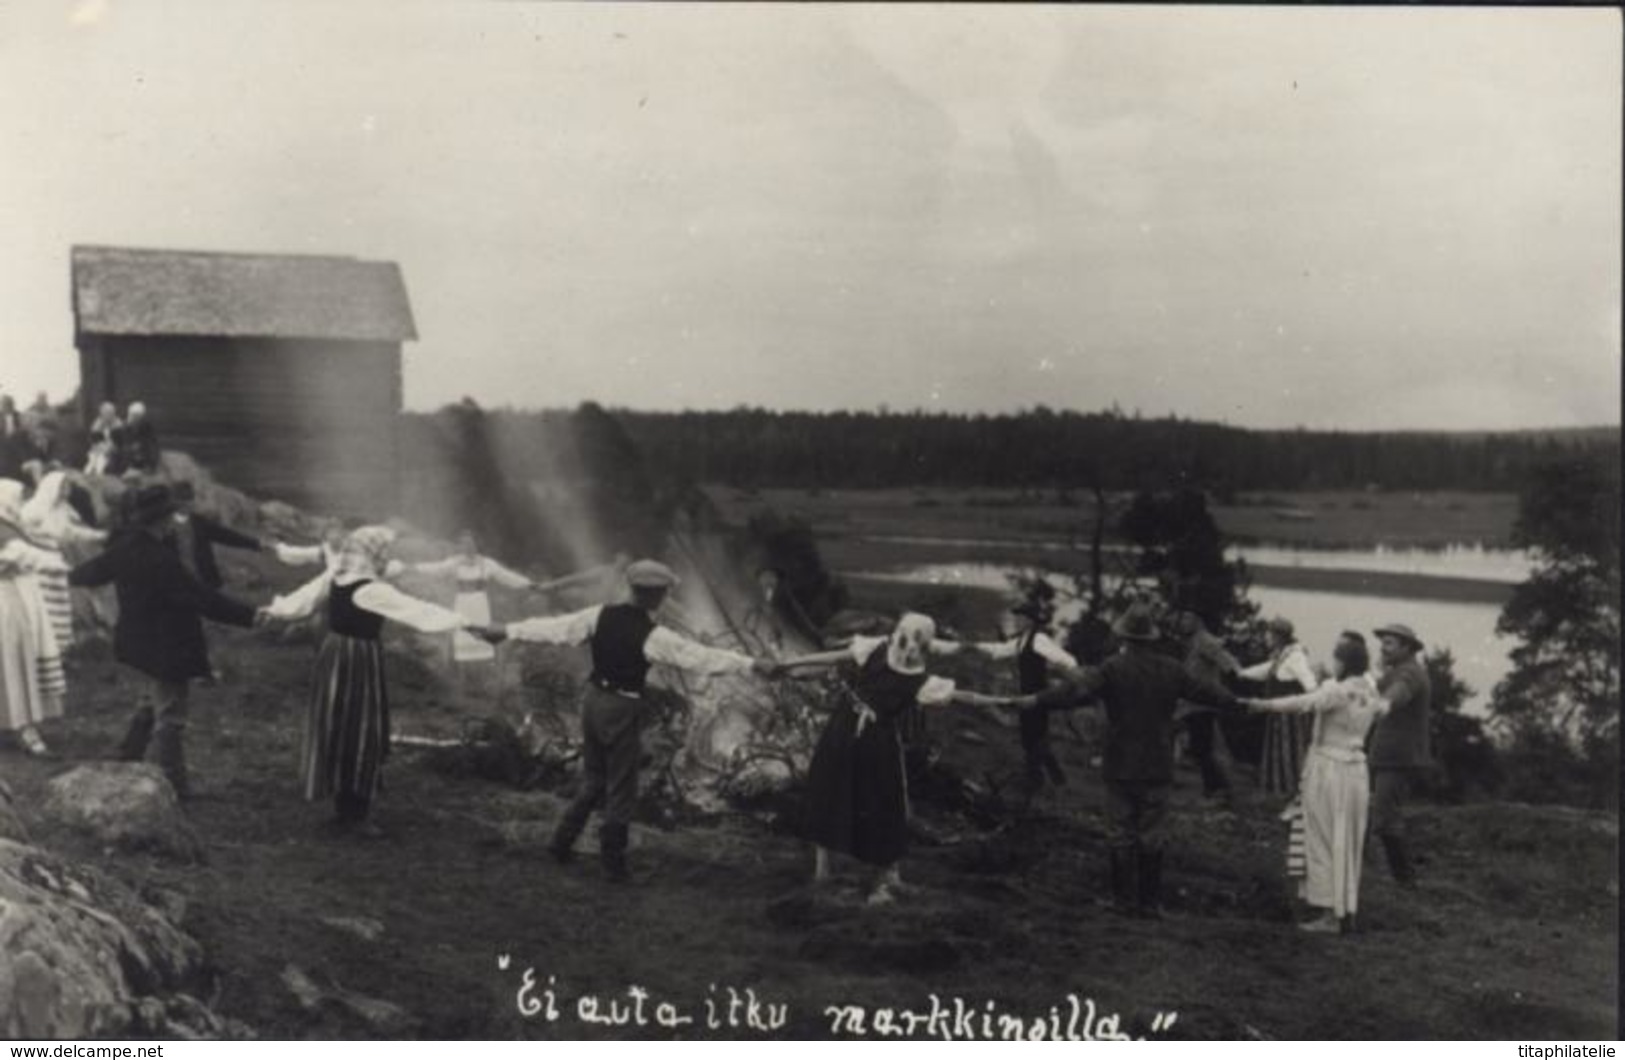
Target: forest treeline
(750,447)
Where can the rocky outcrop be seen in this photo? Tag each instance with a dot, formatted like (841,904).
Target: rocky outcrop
(86,957)
(128,805)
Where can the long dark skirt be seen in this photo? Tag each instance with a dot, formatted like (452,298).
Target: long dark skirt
(857,791)
(347,728)
(1286,744)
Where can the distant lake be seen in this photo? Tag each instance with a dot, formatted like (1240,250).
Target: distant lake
(1467,628)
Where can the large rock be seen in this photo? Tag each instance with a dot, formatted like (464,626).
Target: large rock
(83,953)
(129,805)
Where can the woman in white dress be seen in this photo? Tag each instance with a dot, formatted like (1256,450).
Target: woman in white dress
(1335,785)
(51,524)
(32,682)
(472,572)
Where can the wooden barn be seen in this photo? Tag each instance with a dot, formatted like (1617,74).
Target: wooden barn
(281,374)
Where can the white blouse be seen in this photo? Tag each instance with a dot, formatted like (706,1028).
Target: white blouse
(663,646)
(310,555)
(378,597)
(1294,666)
(477,568)
(934,693)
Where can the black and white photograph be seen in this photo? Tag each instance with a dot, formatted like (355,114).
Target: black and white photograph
(786,521)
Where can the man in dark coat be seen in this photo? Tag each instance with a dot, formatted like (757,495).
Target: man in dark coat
(160,629)
(1141,689)
(1400,750)
(137,441)
(196,535)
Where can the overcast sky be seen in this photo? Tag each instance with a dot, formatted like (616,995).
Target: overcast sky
(1353,218)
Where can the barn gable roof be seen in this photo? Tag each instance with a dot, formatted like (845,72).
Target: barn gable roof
(125,291)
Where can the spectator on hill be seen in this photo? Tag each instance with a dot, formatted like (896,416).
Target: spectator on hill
(104,435)
(138,449)
(40,421)
(15,446)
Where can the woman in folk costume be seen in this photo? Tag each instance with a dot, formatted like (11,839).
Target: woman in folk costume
(472,572)
(32,682)
(1286,736)
(857,787)
(347,725)
(1336,795)
(53,525)
(104,431)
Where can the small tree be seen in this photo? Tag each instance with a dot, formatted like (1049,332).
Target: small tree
(1465,756)
(1563,691)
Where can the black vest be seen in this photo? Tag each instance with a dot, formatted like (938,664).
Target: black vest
(348,620)
(1032,669)
(891,695)
(618,663)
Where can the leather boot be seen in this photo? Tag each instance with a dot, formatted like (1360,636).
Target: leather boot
(1148,896)
(169,753)
(133,748)
(563,844)
(1399,860)
(612,851)
(1123,879)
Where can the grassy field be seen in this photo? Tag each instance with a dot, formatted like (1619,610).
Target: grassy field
(1512,933)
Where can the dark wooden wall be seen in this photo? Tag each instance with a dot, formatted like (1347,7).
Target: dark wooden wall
(310,422)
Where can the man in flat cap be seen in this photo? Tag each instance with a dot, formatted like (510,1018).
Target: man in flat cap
(625,641)
(1400,744)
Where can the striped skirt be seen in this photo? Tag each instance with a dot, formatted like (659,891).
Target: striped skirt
(347,728)
(1286,743)
(53,587)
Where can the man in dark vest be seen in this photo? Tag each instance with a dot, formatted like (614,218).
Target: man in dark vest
(160,629)
(625,641)
(1141,689)
(1400,751)
(1034,653)
(1205,656)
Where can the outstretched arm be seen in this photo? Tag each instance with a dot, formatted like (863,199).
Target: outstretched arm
(505,577)
(817,658)
(224,535)
(1324,698)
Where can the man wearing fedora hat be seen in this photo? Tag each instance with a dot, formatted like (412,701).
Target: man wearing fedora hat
(625,641)
(160,630)
(1141,689)
(1400,749)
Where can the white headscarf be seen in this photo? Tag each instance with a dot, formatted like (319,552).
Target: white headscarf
(365,555)
(46,513)
(909,643)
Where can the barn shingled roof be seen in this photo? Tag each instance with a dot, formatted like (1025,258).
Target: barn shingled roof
(126,291)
